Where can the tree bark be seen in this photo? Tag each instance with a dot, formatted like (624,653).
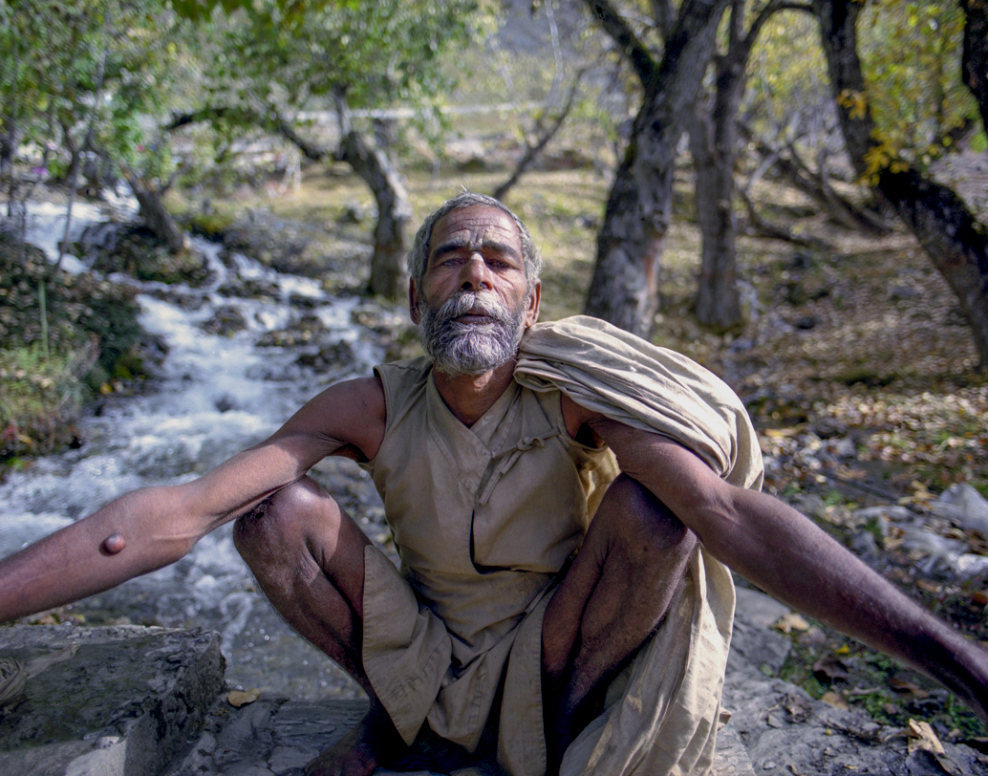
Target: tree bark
(713,141)
(153,213)
(974,61)
(954,240)
(717,303)
(624,289)
(388,277)
(712,144)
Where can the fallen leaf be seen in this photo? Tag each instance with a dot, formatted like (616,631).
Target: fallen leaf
(781,433)
(834,699)
(829,668)
(787,623)
(921,736)
(238,698)
(903,686)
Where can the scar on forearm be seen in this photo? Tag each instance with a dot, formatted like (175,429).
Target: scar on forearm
(113,544)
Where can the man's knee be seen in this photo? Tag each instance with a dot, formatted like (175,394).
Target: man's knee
(280,520)
(642,523)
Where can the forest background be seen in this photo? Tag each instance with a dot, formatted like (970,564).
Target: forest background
(792,193)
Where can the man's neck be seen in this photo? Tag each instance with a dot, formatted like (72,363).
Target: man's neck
(470,396)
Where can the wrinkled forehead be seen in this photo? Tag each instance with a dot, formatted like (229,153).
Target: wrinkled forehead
(475,226)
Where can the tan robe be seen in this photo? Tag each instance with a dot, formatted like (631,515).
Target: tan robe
(485,517)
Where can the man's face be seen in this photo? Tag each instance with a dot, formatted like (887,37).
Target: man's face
(475,302)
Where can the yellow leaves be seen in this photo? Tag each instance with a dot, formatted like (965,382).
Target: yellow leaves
(920,495)
(882,156)
(855,102)
(787,623)
(781,433)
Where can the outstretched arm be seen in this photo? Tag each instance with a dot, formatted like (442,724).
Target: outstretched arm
(788,556)
(152,527)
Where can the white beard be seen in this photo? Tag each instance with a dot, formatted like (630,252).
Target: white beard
(471,349)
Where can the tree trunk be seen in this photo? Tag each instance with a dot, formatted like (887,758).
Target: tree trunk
(153,213)
(974,63)
(388,276)
(954,240)
(624,289)
(713,140)
(717,303)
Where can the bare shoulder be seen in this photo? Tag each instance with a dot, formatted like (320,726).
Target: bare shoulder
(348,418)
(576,417)
(655,460)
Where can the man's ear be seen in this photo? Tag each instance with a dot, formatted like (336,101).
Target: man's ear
(535,299)
(413,302)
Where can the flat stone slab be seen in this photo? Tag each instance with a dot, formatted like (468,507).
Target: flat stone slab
(786,732)
(275,736)
(134,701)
(118,701)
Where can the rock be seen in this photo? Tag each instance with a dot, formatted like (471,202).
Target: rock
(226,321)
(308,329)
(785,731)
(754,644)
(337,356)
(276,736)
(148,702)
(965,506)
(123,703)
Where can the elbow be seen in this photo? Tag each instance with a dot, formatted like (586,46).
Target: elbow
(717,523)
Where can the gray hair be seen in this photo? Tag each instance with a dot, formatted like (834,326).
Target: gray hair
(418,257)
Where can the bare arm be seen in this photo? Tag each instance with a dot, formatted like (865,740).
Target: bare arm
(788,556)
(152,527)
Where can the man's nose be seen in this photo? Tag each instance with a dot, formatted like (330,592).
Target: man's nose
(475,274)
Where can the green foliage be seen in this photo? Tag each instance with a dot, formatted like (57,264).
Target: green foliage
(787,69)
(377,53)
(90,68)
(85,314)
(286,11)
(911,55)
(40,397)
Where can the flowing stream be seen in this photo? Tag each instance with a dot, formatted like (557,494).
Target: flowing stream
(214,396)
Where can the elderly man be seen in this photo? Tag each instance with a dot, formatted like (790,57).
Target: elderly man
(563,497)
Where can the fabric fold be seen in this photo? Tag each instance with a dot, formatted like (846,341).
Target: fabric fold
(608,370)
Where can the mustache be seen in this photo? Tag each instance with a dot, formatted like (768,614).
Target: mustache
(476,302)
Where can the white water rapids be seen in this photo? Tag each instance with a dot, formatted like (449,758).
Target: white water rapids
(214,396)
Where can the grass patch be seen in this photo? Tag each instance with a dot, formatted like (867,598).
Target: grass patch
(41,399)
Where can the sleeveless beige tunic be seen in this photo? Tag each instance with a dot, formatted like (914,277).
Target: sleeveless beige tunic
(484,518)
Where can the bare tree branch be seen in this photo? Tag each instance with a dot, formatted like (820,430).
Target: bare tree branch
(763,228)
(532,151)
(631,47)
(664,13)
